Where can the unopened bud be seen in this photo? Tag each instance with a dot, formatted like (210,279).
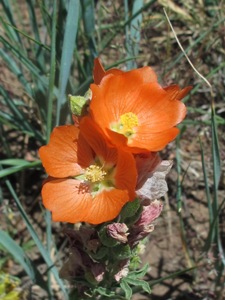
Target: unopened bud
(118,231)
(79,104)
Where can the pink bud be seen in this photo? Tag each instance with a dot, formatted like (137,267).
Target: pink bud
(123,270)
(150,212)
(98,270)
(118,231)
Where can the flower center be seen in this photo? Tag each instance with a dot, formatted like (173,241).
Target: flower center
(94,174)
(127,124)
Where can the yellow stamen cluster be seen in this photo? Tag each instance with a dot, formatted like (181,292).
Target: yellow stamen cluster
(127,124)
(94,173)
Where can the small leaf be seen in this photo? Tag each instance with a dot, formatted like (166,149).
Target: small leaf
(102,252)
(121,252)
(139,273)
(126,288)
(18,253)
(130,209)
(104,292)
(144,284)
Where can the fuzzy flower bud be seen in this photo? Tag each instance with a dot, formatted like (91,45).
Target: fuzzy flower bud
(98,271)
(79,104)
(143,226)
(118,231)
(150,213)
(123,270)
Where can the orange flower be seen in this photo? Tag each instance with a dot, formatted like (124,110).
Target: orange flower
(134,112)
(90,181)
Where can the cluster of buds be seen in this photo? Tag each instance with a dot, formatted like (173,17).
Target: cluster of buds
(111,250)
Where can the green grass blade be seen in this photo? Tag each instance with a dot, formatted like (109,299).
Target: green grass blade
(52,73)
(7,119)
(173,275)
(107,40)
(41,80)
(49,121)
(18,117)
(208,197)
(38,50)
(212,229)
(67,56)
(215,151)
(19,167)
(18,253)
(216,179)
(8,12)
(13,162)
(37,42)
(16,70)
(216,169)
(36,239)
(133,32)
(179,202)
(88,14)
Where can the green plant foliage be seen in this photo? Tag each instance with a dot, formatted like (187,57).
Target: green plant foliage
(47,52)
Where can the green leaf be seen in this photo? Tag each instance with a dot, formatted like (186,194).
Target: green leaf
(20,167)
(104,292)
(102,252)
(19,254)
(67,56)
(12,65)
(129,210)
(207,191)
(105,239)
(18,116)
(121,252)
(126,288)
(88,13)
(35,237)
(35,71)
(139,273)
(52,73)
(9,13)
(133,32)
(144,284)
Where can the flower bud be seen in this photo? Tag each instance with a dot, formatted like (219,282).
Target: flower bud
(150,213)
(118,231)
(79,104)
(123,270)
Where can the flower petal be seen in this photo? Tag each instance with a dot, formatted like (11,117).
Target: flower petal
(147,73)
(70,201)
(67,199)
(99,71)
(158,140)
(177,93)
(106,206)
(95,139)
(126,173)
(59,157)
(157,110)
